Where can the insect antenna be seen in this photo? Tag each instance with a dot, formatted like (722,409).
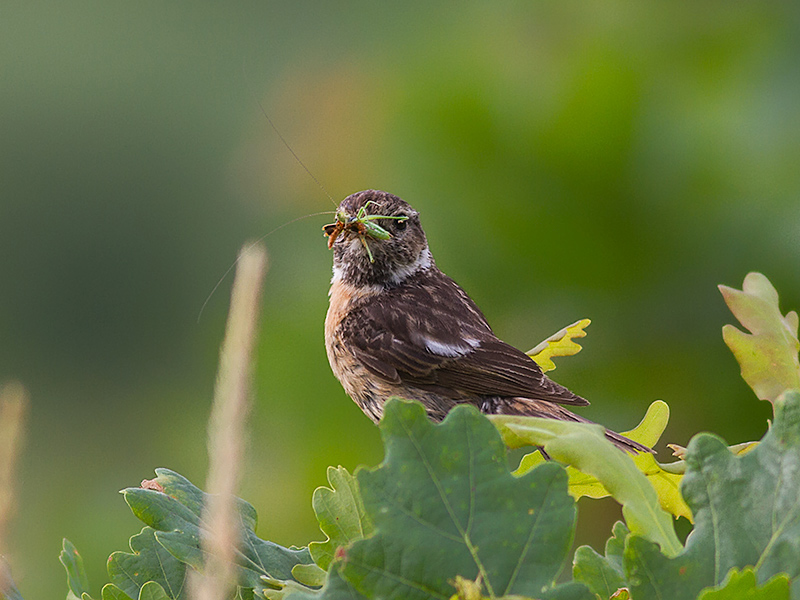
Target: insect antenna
(235,262)
(283,139)
(300,162)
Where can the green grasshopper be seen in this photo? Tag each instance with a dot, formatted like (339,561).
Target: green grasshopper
(363,224)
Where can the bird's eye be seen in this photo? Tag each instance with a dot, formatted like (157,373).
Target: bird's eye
(399,224)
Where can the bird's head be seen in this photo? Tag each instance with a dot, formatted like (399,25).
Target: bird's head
(377,239)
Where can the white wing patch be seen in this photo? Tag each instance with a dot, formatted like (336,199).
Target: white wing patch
(450,350)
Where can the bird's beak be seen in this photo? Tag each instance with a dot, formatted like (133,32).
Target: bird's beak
(332,230)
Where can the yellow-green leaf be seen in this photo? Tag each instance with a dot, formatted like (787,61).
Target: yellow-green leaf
(743,585)
(666,484)
(586,448)
(559,344)
(648,432)
(768,355)
(309,575)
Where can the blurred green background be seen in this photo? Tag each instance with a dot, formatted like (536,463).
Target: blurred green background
(606,160)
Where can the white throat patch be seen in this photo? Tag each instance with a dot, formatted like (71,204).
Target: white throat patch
(422,263)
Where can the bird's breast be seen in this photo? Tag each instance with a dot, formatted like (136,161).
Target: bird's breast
(343,297)
(348,370)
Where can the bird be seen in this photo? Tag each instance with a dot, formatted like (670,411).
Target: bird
(397,326)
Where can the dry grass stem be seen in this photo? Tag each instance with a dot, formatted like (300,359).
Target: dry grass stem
(226,429)
(13,406)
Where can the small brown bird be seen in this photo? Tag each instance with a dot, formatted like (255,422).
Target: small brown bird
(398,326)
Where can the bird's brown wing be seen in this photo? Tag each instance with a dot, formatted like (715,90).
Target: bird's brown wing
(428,333)
(498,369)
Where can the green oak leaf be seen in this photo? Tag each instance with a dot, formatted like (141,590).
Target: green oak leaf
(603,575)
(152,591)
(466,589)
(585,447)
(341,516)
(77,581)
(280,590)
(746,510)
(335,588)
(768,355)
(243,593)
(175,515)
(112,592)
(743,586)
(444,503)
(149,561)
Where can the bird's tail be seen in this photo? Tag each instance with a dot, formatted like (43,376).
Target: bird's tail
(548,410)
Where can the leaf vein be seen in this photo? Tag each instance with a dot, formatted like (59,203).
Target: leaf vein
(398,578)
(528,542)
(443,497)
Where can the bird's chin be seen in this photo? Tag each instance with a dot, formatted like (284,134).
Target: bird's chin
(354,252)
(351,261)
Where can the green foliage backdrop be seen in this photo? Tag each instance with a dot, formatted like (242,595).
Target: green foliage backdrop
(611,161)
